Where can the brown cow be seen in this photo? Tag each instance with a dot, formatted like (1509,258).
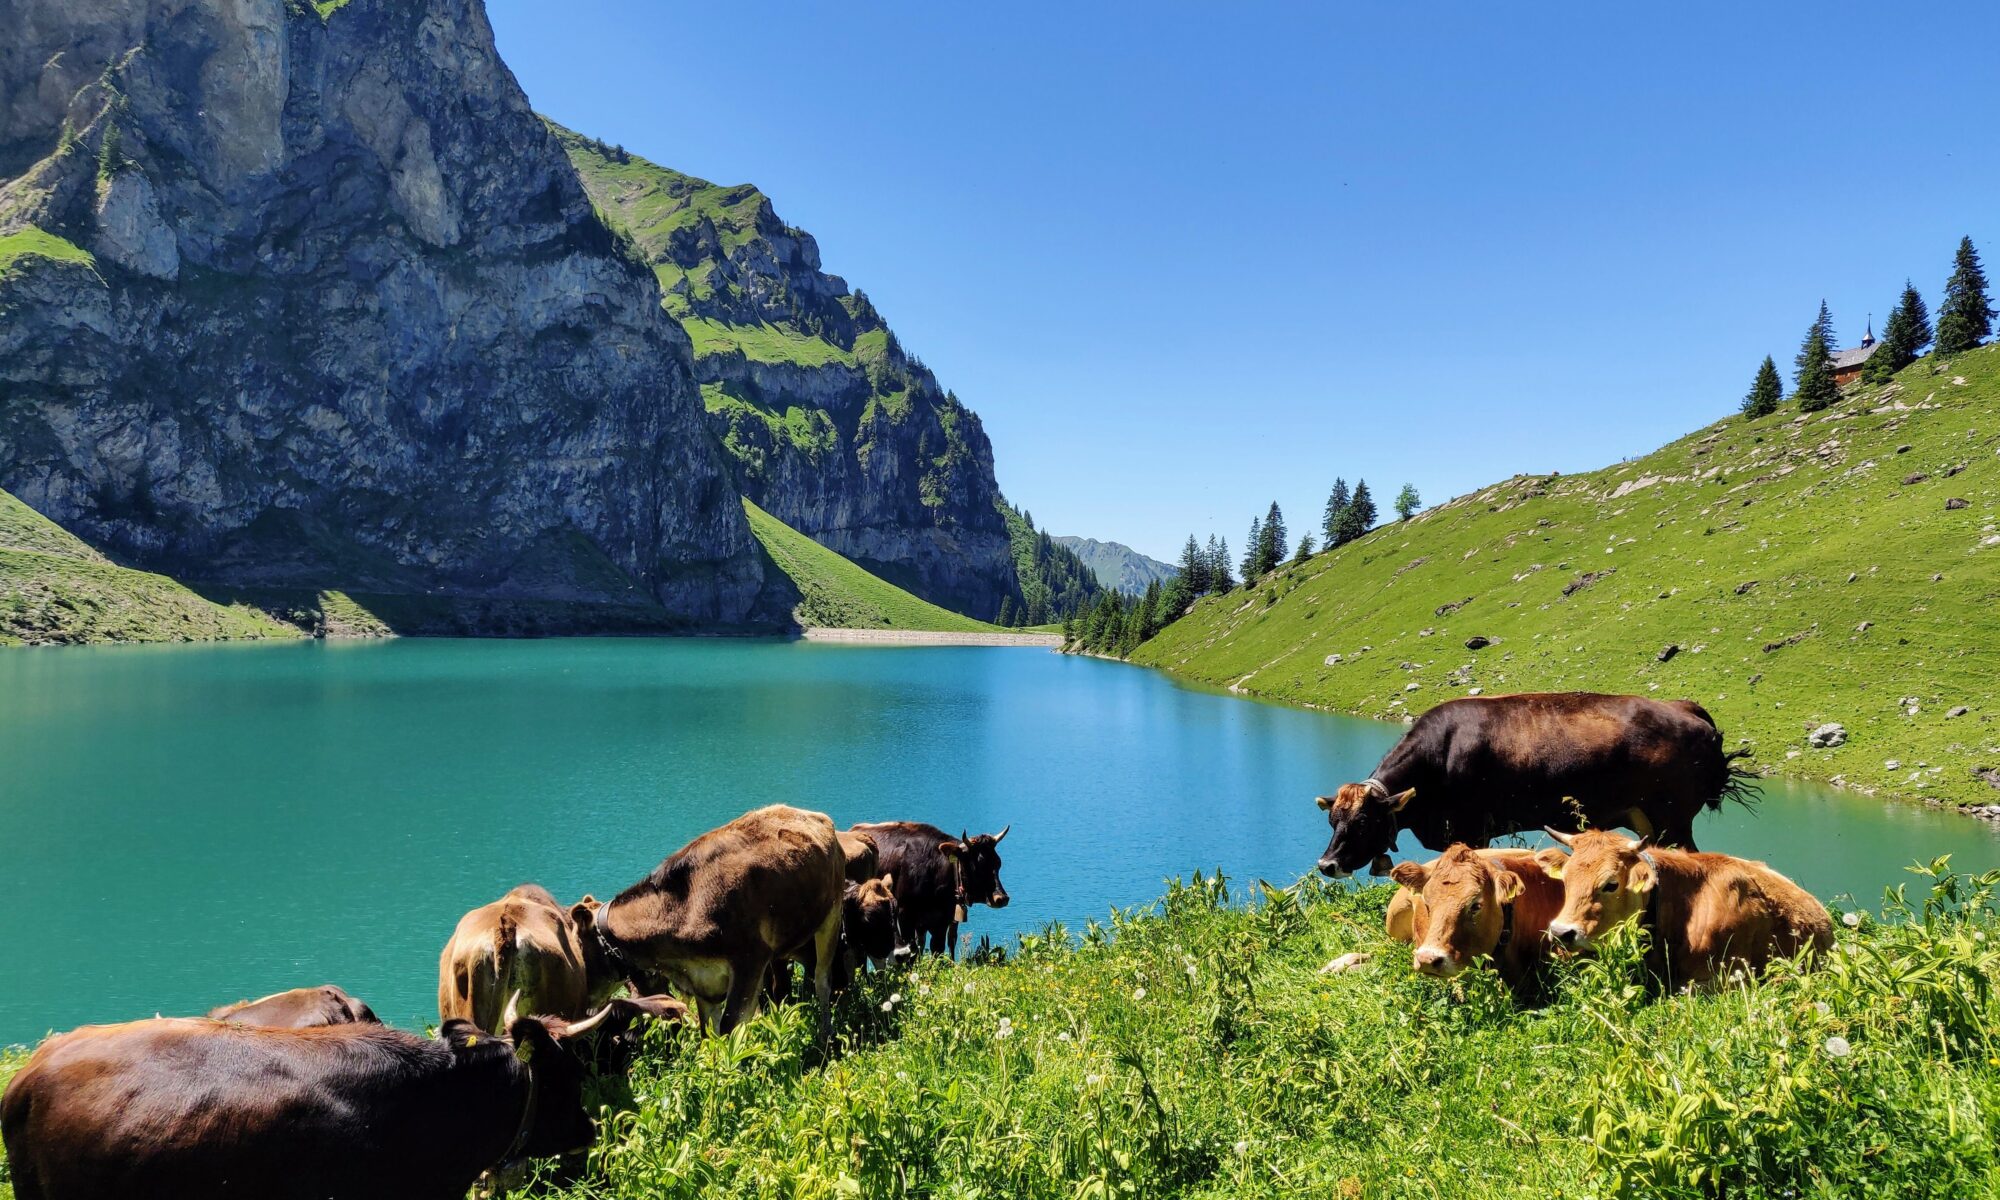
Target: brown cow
(300,1008)
(1469,904)
(190,1109)
(861,855)
(938,877)
(1707,912)
(1475,768)
(716,914)
(524,943)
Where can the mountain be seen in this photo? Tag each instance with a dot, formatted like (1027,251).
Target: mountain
(1054,581)
(307,297)
(832,427)
(1117,566)
(1787,572)
(828,590)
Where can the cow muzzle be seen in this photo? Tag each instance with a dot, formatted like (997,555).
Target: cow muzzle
(997,900)
(1569,935)
(1332,869)
(1429,960)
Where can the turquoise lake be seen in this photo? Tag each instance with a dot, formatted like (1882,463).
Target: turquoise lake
(185,826)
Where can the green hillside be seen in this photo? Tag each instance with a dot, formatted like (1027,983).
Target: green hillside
(834,593)
(55,590)
(1809,568)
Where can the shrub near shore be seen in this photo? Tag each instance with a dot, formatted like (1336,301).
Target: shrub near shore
(1193,1050)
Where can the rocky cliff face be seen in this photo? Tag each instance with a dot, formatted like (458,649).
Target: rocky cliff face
(342,316)
(834,429)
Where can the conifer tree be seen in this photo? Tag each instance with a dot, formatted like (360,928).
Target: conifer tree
(1822,330)
(1329,521)
(1221,576)
(1069,628)
(1816,389)
(1305,550)
(1151,610)
(1904,335)
(1272,542)
(1364,505)
(1006,617)
(1966,316)
(1407,502)
(1194,567)
(1766,392)
(1250,571)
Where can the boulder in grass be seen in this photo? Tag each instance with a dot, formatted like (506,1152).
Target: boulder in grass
(1827,736)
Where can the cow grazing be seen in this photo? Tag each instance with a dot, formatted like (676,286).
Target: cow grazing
(937,877)
(858,850)
(870,931)
(1475,768)
(524,943)
(1469,904)
(713,918)
(1707,912)
(300,1008)
(190,1109)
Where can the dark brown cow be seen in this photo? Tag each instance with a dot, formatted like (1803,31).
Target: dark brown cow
(714,917)
(192,1109)
(300,1008)
(1469,904)
(937,877)
(525,944)
(1707,912)
(1473,769)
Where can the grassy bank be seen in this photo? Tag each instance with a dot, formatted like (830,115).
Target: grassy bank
(835,592)
(1193,1050)
(1842,566)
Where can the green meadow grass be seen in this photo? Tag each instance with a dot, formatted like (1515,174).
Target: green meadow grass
(1807,568)
(55,589)
(835,592)
(32,243)
(1194,1049)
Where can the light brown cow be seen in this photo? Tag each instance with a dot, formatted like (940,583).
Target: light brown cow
(714,916)
(1707,912)
(528,944)
(300,1008)
(861,854)
(1469,904)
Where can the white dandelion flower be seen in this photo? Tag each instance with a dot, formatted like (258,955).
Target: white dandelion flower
(1063,1036)
(1822,1008)
(1093,1079)
(968,989)
(1242,1148)
(1139,993)
(1006,1029)
(1838,1046)
(1851,920)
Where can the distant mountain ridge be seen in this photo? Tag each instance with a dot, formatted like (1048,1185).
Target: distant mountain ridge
(1118,566)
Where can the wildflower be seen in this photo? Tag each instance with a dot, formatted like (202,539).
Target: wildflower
(968,989)
(1063,1036)
(1838,1047)
(888,1006)
(923,989)
(1977,936)
(1852,920)
(1139,993)
(1191,971)
(1822,1008)
(1006,1029)
(1093,1079)
(895,997)
(1242,1148)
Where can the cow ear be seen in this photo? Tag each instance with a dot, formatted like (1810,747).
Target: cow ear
(1641,877)
(1551,861)
(1324,802)
(951,849)
(1401,798)
(531,1037)
(1507,886)
(1411,875)
(584,913)
(889,880)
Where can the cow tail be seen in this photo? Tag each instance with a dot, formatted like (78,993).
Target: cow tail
(1739,783)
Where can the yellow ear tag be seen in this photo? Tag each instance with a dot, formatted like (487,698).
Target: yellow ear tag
(471,1040)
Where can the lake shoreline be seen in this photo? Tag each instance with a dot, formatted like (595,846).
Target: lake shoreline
(919,637)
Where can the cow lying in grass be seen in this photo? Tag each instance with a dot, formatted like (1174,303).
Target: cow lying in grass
(1707,912)
(192,1109)
(1470,904)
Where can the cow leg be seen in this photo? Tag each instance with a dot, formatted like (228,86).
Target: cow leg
(826,947)
(951,937)
(707,1009)
(746,984)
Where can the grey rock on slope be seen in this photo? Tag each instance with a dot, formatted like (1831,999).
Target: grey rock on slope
(352,322)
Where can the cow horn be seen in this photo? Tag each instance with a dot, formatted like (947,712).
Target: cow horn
(1646,842)
(1002,835)
(1567,840)
(590,1022)
(512,1012)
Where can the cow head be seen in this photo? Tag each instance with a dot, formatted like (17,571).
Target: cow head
(1465,898)
(868,920)
(1606,878)
(1363,816)
(978,860)
(602,975)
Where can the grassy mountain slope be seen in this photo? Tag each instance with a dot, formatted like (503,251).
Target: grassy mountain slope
(834,592)
(1117,565)
(54,589)
(1808,567)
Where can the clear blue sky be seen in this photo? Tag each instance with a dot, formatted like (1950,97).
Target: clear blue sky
(1187,259)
